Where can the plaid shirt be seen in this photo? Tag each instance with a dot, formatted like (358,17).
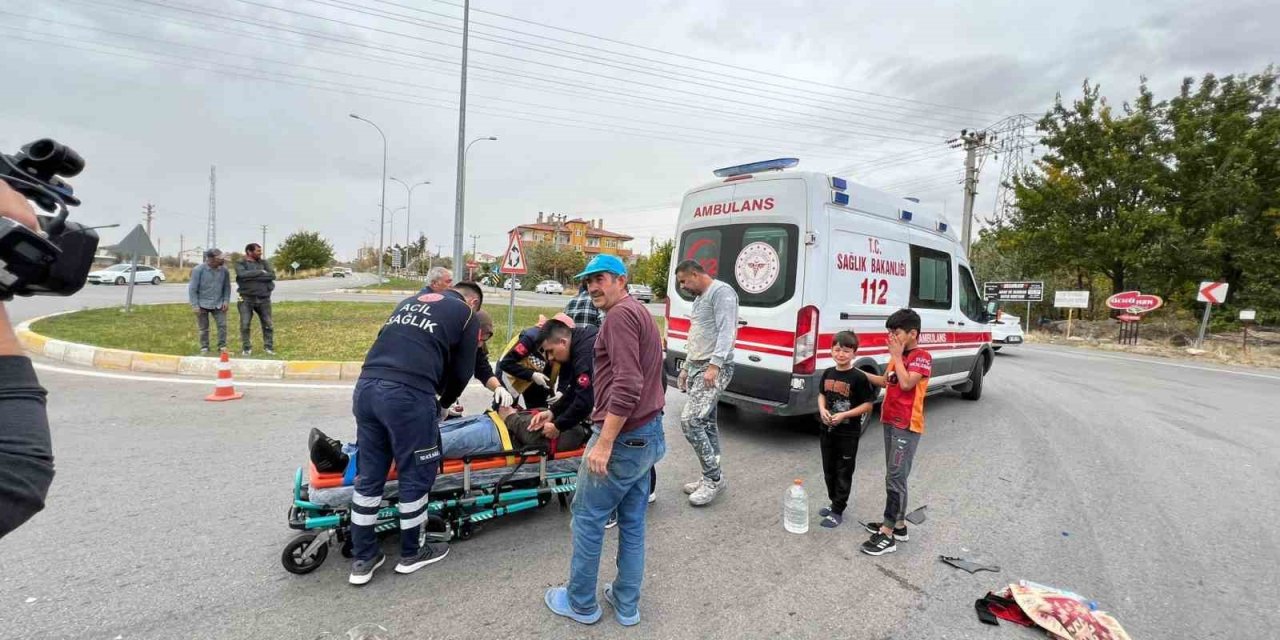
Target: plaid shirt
(582,312)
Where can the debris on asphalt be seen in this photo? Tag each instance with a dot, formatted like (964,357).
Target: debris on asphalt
(917,516)
(970,566)
(30,600)
(1063,614)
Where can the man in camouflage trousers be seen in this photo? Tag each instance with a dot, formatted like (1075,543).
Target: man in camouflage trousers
(707,371)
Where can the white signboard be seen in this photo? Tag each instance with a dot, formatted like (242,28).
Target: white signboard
(1248,315)
(1071,299)
(295,264)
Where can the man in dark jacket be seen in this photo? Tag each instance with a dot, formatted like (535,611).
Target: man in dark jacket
(255,280)
(420,362)
(525,370)
(574,348)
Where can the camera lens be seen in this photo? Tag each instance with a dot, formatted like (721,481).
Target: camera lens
(53,157)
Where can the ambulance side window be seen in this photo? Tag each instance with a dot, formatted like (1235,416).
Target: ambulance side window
(930,278)
(757,260)
(970,302)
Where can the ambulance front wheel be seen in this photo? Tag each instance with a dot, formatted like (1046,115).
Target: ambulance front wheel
(295,558)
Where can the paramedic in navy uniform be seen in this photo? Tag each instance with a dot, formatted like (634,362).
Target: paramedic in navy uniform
(421,361)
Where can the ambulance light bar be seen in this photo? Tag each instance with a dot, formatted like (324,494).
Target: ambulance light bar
(839,184)
(777,164)
(839,198)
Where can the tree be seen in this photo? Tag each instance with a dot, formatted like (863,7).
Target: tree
(307,248)
(547,262)
(659,267)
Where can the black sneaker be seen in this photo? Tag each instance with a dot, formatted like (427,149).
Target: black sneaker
(429,553)
(899,534)
(879,544)
(362,572)
(824,512)
(612,521)
(832,520)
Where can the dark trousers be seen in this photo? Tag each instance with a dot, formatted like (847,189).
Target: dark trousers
(262,307)
(202,323)
(393,422)
(839,456)
(899,452)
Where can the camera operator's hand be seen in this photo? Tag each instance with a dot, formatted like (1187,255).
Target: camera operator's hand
(16,207)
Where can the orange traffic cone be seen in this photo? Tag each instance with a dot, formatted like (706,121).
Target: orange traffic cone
(224,389)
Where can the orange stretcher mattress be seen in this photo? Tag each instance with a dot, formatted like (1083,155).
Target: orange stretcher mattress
(329,480)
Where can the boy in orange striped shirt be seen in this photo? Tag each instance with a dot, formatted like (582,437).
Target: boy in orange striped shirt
(902,414)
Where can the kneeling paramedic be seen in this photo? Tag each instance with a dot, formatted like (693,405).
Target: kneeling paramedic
(426,349)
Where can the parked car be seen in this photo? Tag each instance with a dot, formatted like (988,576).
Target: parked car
(640,292)
(549,286)
(338,272)
(120,274)
(1006,328)
(511,283)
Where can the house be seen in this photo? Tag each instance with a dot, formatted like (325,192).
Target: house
(589,236)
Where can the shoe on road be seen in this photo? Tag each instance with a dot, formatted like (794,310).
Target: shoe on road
(690,487)
(832,520)
(626,621)
(429,553)
(653,497)
(824,512)
(362,571)
(557,600)
(879,544)
(899,534)
(612,521)
(707,492)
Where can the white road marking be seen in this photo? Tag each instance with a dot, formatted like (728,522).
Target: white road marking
(1087,356)
(177,380)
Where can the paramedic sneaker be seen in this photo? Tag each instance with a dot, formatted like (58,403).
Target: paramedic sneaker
(690,487)
(429,553)
(707,492)
(879,544)
(362,571)
(899,534)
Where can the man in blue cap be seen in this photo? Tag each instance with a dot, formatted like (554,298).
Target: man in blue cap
(627,440)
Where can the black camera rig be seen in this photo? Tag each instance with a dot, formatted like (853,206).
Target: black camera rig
(55,259)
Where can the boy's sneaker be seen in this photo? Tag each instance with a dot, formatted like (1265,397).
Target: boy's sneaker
(612,521)
(362,571)
(879,544)
(653,497)
(825,511)
(899,534)
(429,553)
(832,520)
(707,492)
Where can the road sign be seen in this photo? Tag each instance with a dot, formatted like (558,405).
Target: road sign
(1248,315)
(1013,291)
(513,262)
(396,257)
(1212,292)
(1135,302)
(1128,317)
(1071,299)
(295,264)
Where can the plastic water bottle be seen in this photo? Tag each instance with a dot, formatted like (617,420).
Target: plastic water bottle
(795,508)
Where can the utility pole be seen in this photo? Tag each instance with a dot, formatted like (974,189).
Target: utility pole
(462,138)
(474,237)
(149,213)
(211,238)
(182,245)
(264,239)
(972,141)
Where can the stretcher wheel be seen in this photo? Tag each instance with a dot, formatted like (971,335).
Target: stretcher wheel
(293,557)
(466,531)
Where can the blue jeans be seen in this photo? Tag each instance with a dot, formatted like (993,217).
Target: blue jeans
(624,488)
(469,436)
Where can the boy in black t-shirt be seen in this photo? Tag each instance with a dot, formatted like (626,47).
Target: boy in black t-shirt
(845,396)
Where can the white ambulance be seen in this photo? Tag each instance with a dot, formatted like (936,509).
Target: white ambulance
(810,255)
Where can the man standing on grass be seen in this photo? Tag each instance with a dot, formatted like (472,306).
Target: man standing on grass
(209,292)
(627,441)
(255,280)
(713,328)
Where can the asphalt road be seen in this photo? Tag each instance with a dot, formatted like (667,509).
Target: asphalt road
(1146,485)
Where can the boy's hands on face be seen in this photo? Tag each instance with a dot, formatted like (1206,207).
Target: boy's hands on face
(895,345)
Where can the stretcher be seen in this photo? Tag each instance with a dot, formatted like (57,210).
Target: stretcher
(467,493)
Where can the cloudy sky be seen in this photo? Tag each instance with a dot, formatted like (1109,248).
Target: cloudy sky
(602,109)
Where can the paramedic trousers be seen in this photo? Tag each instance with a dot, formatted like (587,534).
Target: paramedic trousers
(698,418)
(899,451)
(839,455)
(394,422)
(625,488)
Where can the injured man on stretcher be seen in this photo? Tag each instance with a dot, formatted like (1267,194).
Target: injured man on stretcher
(502,429)
(492,432)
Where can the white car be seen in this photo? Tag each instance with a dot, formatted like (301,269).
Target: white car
(120,274)
(1006,329)
(640,292)
(549,286)
(511,283)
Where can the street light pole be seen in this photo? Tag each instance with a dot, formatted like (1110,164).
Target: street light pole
(409,215)
(462,136)
(462,190)
(381,227)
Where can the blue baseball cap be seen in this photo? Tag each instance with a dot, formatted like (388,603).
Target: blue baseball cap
(604,263)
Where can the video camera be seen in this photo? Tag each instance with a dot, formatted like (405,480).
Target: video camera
(55,260)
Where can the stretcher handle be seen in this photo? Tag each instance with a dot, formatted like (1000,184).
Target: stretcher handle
(532,450)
